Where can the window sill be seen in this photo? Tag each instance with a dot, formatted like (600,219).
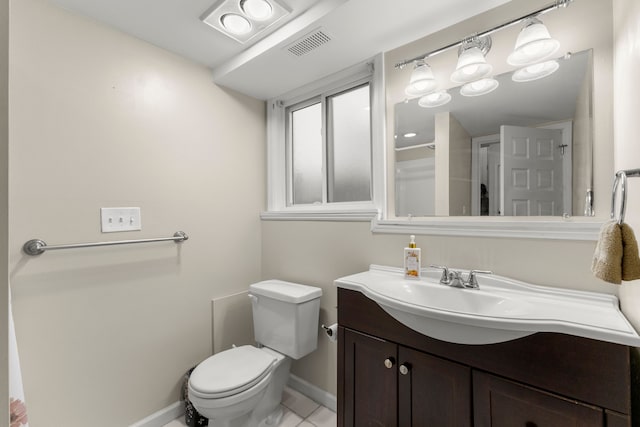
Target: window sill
(361,215)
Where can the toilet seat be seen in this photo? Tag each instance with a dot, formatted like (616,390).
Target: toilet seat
(230,372)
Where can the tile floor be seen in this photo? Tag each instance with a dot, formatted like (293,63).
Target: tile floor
(299,411)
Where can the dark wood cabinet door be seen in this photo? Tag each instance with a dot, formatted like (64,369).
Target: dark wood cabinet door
(370,381)
(502,403)
(432,392)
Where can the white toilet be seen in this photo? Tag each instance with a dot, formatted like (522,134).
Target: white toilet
(242,386)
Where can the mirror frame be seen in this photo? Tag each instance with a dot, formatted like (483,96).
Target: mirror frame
(561,228)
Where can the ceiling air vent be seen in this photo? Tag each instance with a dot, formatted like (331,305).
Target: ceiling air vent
(308,42)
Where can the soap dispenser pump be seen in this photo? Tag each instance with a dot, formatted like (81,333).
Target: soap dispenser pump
(412,260)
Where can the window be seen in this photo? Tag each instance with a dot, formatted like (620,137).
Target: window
(324,150)
(334,166)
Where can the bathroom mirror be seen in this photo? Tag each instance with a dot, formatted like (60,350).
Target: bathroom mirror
(472,134)
(576,100)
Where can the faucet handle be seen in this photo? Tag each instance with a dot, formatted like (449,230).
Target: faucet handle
(473,281)
(445,279)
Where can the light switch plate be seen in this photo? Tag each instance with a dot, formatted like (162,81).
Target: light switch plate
(120,219)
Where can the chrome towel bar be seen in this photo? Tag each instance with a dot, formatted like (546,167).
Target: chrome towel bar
(37,246)
(621,180)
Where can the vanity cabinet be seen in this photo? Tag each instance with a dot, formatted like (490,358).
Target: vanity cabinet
(389,375)
(381,392)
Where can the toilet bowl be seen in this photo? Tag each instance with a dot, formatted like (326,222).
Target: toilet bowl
(242,386)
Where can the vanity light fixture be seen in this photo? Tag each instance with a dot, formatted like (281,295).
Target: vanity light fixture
(479,87)
(472,64)
(535,71)
(422,79)
(435,99)
(533,45)
(242,20)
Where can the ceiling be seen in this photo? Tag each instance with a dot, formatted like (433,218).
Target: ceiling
(264,69)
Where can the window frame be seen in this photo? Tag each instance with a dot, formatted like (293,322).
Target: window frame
(278,154)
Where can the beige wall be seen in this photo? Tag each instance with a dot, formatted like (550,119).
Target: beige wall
(627,126)
(4,200)
(443,163)
(99,119)
(453,167)
(459,169)
(581,151)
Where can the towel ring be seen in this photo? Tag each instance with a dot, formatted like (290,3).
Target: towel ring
(620,179)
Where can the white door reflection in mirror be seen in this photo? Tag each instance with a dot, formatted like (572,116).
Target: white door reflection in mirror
(531,161)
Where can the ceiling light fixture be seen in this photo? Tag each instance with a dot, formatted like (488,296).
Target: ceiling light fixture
(259,10)
(235,24)
(242,20)
(534,44)
(535,71)
(472,64)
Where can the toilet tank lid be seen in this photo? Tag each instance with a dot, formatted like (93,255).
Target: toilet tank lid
(285,291)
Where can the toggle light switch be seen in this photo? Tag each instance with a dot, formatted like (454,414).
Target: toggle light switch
(120,219)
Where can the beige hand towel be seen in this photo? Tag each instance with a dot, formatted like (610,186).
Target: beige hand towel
(607,259)
(630,257)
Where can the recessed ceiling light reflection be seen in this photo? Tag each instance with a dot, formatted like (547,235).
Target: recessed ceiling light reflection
(410,135)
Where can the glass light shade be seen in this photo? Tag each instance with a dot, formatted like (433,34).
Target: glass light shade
(235,23)
(479,87)
(534,44)
(535,71)
(472,65)
(435,99)
(259,10)
(422,79)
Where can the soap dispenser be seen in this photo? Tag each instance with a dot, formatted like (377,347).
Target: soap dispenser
(412,260)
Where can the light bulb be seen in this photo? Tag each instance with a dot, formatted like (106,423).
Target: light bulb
(235,23)
(422,78)
(479,87)
(260,10)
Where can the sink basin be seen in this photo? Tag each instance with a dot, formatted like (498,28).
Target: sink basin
(501,310)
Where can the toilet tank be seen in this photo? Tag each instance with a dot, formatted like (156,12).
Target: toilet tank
(285,316)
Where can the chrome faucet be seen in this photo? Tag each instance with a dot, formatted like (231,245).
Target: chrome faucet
(456,280)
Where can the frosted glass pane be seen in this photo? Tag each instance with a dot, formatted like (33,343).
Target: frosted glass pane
(350,146)
(306,150)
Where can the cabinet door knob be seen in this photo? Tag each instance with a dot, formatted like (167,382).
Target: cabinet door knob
(389,362)
(404,369)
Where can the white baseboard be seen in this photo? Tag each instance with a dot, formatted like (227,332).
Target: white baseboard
(175,410)
(312,392)
(162,417)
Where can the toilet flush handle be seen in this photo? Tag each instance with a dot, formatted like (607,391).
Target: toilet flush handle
(253,298)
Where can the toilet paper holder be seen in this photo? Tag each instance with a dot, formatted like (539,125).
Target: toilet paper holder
(331,331)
